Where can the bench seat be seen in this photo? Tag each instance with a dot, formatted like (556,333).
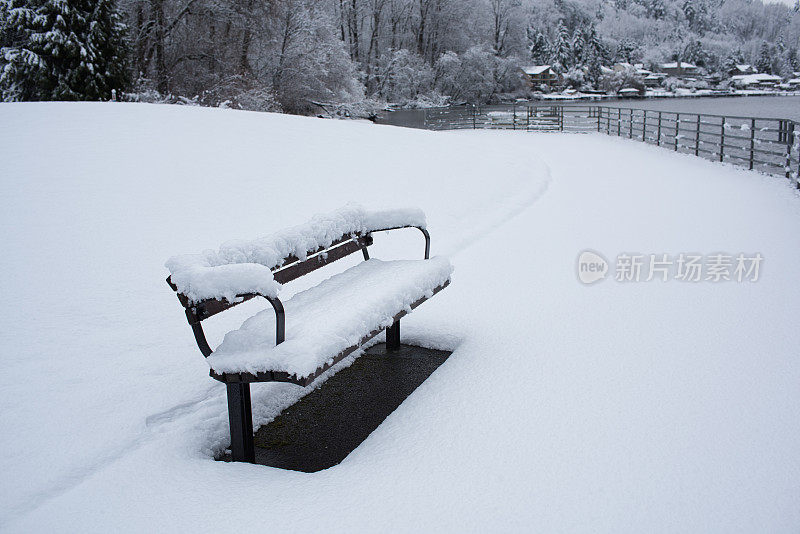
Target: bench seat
(328,319)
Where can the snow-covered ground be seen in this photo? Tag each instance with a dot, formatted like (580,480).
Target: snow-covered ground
(660,406)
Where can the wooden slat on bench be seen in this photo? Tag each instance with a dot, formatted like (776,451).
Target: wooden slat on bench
(320,258)
(274,376)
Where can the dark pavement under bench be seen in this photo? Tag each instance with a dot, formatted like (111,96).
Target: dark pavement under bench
(323,427)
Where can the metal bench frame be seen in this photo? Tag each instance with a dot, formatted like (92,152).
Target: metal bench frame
(291,268)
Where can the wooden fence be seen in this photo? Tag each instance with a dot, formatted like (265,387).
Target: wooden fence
(763,144)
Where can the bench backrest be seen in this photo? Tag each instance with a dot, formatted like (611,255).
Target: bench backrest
(291,268)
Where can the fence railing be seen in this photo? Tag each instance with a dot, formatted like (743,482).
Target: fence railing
(763,144)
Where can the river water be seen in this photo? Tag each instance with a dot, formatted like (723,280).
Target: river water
(773,107)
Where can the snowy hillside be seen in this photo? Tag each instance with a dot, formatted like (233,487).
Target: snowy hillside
(650,406)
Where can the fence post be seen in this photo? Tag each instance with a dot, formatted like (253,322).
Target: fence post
(560,118)
(658,140)
(697,137)
(796,141)
(597,110)
(619,122)
(789,140)
(752,140)
(722,140)
(514,118)
(644,125)
(677,129)
(630,125)
(474,116)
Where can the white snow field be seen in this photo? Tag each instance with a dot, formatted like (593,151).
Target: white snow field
(616,407)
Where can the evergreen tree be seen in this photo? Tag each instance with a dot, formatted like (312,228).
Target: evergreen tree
(539,49)
(694,53)
(61,50)
(595,46)
(579,50)
(594,72)
(735,57)
(561,51)
(626,51)
(792,59)
(764,63)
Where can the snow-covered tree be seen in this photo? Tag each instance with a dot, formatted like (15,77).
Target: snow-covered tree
(561,50)
(627,51)
(538,47)
(309,65)
(61,50)
(579,47)
(764,62)
(734,57)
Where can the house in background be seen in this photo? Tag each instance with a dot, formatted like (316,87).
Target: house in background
(650,78)
(654,79)
(539,75)
(756,81)
(680,69)
(739,70)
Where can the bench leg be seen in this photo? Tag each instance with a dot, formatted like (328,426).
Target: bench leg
(393,336)
(240,416)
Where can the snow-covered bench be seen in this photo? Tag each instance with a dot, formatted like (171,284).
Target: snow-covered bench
(315,328)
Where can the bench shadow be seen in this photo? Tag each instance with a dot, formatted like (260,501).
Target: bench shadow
(323,427)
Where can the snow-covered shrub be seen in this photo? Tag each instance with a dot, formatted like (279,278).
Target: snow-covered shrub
(402,76)
(576,78)
(623,79)
(240,92)
(697,84)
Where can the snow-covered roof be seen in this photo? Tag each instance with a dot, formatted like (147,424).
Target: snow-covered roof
(533,70)
(629,90)
(794,81)
(744,68)
(677,65)
(748,79)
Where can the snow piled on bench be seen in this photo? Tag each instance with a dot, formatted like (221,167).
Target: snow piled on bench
(241,266)
(323,321)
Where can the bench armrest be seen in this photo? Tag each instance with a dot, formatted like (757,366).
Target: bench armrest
(421,229)
(195,319)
